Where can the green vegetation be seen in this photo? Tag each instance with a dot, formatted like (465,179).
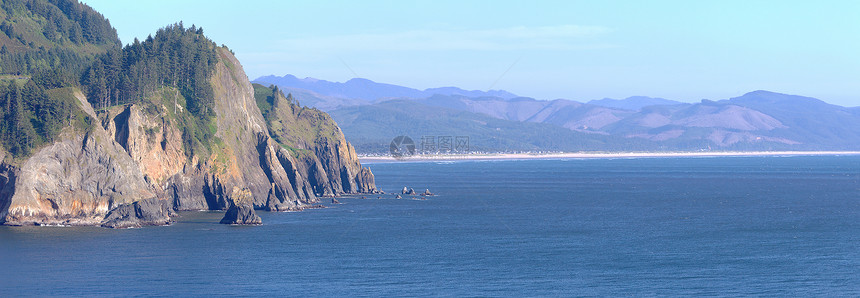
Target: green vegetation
(49,48)
(32,117)
(178,57)
(66,97)
(295,128)
(55,41)
(198,134)
(45,47)
(295,152)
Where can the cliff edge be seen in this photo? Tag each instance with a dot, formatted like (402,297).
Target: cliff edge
(140,161)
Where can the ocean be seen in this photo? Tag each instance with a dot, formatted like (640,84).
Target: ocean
(698,226)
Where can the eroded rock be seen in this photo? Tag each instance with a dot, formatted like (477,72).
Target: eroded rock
(150,212)
(241,211)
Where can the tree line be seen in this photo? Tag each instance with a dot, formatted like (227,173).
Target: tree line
(54,41)
(176,56)
(65,21)
(83,50)
(30,117)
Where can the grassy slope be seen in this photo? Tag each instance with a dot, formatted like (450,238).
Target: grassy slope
(295,128)
(80,120)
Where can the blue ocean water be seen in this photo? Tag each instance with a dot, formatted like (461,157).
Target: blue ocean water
(773,226)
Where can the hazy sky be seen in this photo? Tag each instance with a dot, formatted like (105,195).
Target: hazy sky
(682,50)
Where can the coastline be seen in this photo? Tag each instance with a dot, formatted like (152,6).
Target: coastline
(584,155)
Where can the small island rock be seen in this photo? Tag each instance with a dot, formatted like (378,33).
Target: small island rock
(241,211)
(149,212)
(241,215)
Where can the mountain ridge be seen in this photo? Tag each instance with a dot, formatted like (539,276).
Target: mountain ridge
(634,103)
(756,120)
(367,90)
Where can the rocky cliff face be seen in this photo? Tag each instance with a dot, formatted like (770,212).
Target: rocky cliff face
(76,180)
(134,169)
(314,140)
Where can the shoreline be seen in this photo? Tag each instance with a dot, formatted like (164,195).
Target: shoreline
(583,155)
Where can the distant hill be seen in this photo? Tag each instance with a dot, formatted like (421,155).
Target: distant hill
(370,128)
(633,103)
(758,120)
(322,102)
(515,109)
(560,112)
(368,90)
(805,119)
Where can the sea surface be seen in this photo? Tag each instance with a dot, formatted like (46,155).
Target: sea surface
(721,226)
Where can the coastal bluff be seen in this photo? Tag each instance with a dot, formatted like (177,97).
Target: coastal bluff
(134,167)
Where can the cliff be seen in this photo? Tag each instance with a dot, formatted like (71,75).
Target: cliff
(311,138)
(76,180)
(136,164)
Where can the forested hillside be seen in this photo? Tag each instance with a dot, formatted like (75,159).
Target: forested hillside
(177,57)
(53,40)
(96,133)
(49,45)
(46,46)
(175,66)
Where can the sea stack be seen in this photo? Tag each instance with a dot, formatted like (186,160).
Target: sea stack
(149,212)
(241,212)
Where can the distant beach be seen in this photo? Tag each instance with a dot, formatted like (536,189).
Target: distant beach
(518,156)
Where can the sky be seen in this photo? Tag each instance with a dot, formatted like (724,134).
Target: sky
(577,50)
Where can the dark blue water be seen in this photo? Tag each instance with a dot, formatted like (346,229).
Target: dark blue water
(781,226)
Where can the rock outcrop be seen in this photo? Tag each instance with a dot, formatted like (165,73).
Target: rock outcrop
(132,168)
(312,139)
(154,144)
(150,212)
(241,215)
(241,211)
(75,181)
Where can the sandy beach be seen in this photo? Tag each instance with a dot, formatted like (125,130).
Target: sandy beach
(519,156)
